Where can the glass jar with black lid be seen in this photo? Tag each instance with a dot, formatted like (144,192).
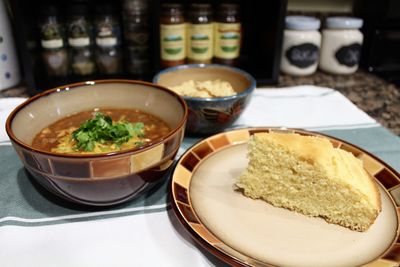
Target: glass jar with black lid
(108,40)
(137,37)
(53,42)
(80,41)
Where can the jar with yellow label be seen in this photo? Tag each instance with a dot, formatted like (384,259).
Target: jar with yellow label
(227,34)
(200,29)
(172,35)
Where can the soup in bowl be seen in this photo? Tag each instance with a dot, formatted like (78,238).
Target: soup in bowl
(99,142)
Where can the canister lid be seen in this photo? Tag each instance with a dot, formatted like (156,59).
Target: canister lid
(343,23)
(302,23)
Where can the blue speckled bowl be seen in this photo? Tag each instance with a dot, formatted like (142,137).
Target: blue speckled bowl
(210,115)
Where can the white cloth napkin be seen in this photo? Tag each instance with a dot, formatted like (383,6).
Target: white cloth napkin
(6,106)
(157,239)
(307,107)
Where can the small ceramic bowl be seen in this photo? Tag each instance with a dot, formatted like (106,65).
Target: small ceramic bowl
(210,115)
(98,179)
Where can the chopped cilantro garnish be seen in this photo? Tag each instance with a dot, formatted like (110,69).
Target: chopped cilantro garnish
(101,129)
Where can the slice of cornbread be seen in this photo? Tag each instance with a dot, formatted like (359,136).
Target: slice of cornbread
(308,175)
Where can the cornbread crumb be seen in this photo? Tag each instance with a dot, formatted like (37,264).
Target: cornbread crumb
(204,89)
(308,175)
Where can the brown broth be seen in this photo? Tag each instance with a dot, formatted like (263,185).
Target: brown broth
(48,138)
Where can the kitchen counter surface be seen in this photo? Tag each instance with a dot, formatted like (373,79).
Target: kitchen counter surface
(375,96)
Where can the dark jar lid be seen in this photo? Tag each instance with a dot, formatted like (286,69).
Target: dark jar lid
(228,9)
(200,8)
(134,6)
(172,9)
(77,10)
(48,11)
(200,13)
(105,9)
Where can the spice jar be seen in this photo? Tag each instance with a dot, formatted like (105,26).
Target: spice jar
(108,39)
(200,34)
(137,38)
(341,45)
(227,34)
(172,35)
(80,40)
(301,44)
(52,39)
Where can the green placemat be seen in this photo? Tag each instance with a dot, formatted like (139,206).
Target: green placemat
(24,202)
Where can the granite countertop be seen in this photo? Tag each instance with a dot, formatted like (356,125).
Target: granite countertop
(375,96)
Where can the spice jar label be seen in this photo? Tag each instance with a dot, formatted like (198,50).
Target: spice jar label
(76,42)
(106,41)
(349,55)
(173,45)
(303,56)
(200,41)
(227,40)
(51,44)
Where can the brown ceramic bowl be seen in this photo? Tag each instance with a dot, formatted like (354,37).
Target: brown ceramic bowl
(98,179)
(211,115)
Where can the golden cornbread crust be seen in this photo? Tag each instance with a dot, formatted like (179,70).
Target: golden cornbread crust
(308,175)
(378,195)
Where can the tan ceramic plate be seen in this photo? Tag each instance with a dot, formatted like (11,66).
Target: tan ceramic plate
(246,232)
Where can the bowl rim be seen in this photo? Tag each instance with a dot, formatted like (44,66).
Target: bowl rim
(247,75)
(68,87)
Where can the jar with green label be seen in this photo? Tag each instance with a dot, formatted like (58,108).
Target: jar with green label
(172,35)
(200,34)
(227,34)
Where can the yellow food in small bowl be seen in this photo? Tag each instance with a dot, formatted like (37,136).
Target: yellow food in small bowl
(205,89)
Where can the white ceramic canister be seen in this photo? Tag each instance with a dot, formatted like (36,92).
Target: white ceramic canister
(341,45)
(9,68)
(301,43)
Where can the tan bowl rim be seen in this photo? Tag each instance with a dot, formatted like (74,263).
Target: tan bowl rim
(90,83)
